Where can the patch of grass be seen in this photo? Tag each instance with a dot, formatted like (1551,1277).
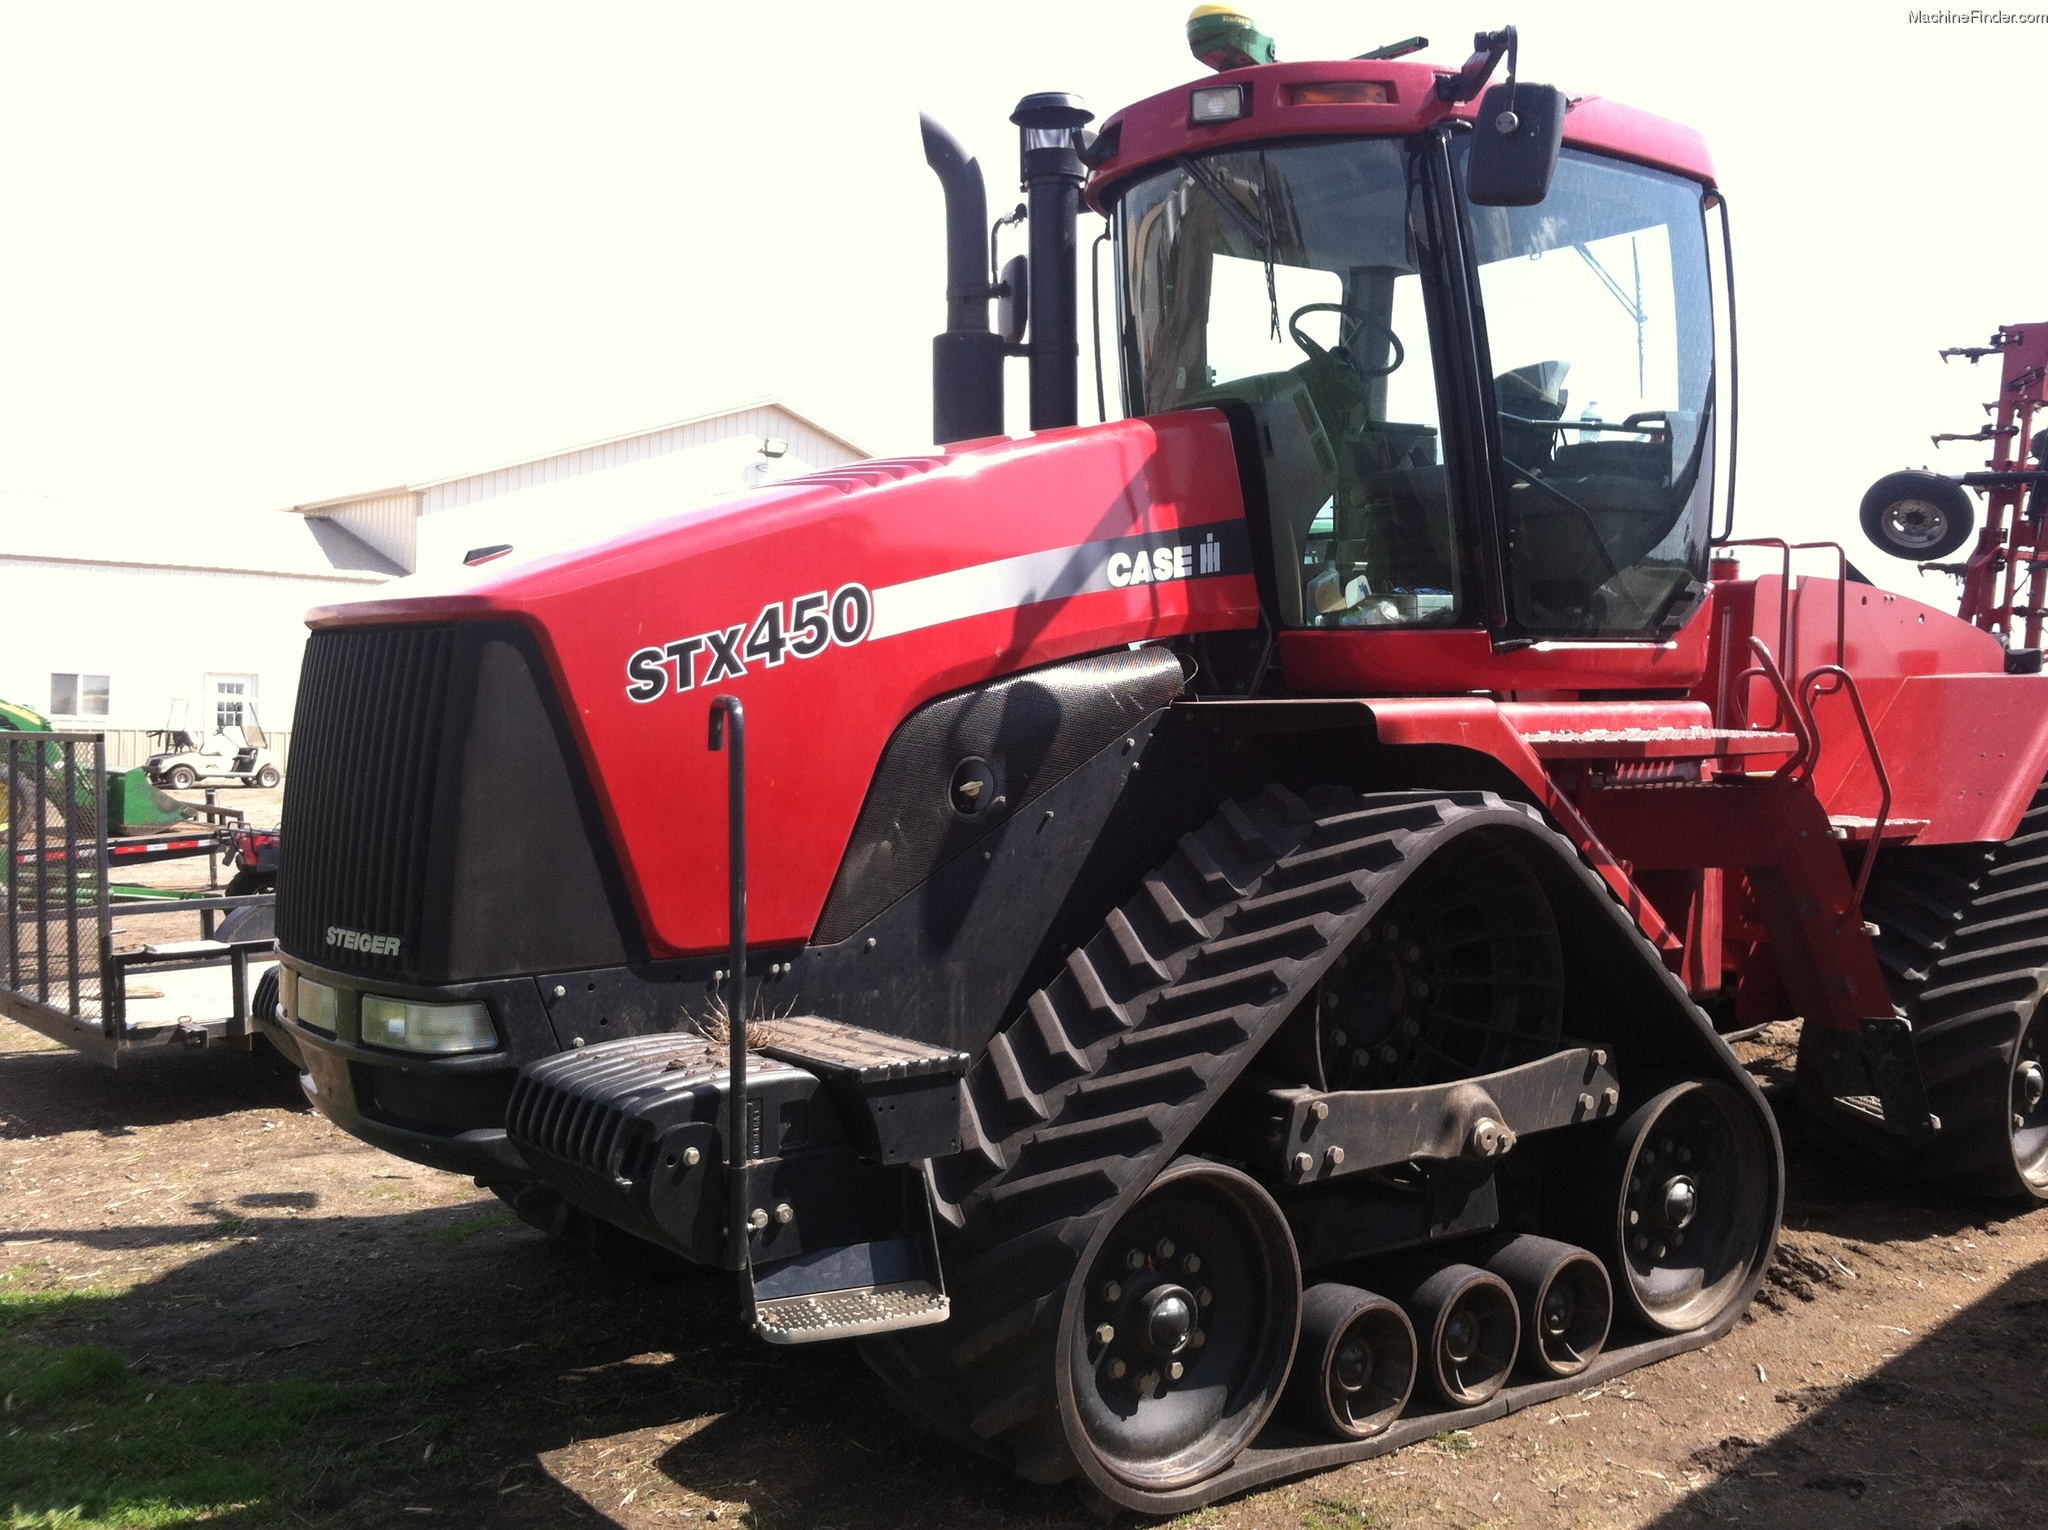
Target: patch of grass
(87,1445)
(20,1308)
(1340,1514)
(1454,1440)
(469,1227)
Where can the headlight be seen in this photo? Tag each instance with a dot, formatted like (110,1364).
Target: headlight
(1217,103)
(411,1027)
(315,1005)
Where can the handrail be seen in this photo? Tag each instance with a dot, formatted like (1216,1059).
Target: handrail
(1788,705)
(1809,682)
(1787,627)
(728,715)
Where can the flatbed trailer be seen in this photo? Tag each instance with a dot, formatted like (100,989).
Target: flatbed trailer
(62,975)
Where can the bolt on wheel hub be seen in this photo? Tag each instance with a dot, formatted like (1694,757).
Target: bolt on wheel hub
(1680,1202)
(1461,1337)
(1169,1319)
(1917,523)
(1353,1366)
(1559,1308)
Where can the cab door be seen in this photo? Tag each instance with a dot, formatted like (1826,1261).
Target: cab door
(1595,314)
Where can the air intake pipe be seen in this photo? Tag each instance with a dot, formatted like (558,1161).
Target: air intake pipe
(1049,129)
(967,360)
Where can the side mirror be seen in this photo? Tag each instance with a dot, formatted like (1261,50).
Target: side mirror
(1013,300)
(1515,143)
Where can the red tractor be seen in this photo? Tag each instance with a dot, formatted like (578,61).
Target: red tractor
(1193,938)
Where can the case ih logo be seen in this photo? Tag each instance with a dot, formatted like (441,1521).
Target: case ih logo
(356,940)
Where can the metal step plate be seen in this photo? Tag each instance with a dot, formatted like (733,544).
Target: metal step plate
(850,1313)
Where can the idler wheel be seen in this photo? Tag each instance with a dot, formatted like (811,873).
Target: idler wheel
(1355,1364)
(1467,1330)
(1676,1200)
(1565,1300)
(1181,1329)
(2030,1107)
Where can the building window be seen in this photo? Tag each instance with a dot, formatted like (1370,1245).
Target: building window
(234,699)
(78,695)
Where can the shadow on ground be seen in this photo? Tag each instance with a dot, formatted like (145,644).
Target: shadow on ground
(488,1375)
(57,1091)
(1941,1412)
(1864,1454)
(466,1330)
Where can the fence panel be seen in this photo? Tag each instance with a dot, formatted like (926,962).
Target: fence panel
(58,923)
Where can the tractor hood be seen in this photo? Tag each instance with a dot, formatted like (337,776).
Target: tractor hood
(831,606)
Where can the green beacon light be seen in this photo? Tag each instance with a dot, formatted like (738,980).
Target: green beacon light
(1224,38)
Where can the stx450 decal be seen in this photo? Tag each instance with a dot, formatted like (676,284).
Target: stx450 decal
(816,622)
(853,614)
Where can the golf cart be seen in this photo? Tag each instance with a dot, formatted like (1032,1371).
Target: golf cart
(237,751)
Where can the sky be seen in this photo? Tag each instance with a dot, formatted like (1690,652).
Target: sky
(263,255)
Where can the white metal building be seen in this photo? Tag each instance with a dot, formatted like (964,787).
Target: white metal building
(582,493)
(117,617)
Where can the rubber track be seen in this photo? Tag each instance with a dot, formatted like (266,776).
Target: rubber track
(1963,937)
(1076,1106)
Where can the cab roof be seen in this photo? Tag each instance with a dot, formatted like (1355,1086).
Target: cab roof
(1159,129)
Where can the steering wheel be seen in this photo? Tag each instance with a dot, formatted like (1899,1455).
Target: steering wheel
(1317,352)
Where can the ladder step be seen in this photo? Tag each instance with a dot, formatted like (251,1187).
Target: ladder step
(1656,743)
(850,1313)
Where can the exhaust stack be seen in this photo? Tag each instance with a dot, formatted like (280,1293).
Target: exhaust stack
(967,360)
(1049,126)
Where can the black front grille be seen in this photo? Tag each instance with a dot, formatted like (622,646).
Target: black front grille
(358,811)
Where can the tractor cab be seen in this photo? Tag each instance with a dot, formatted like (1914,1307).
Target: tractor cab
(1470,419)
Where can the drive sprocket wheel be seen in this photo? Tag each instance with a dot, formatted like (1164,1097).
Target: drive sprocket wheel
(1460,976)
(1963,936)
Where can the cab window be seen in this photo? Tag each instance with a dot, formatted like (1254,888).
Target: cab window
(1290,279)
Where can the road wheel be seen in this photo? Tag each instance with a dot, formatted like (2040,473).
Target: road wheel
(1182,1327)
(182,778)
(268,777)
(1354,1367)
(2030,1109)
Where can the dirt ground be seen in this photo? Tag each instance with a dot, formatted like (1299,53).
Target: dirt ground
(1892,1374)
